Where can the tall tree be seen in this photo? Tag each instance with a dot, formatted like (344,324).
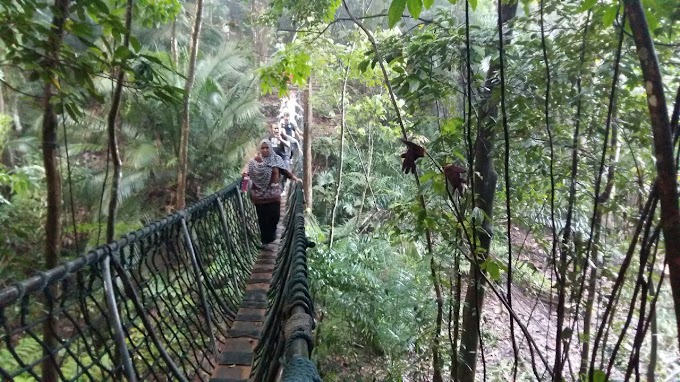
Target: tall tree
(186,103)
(111,129)
(663,145)
(50,65)
(485,189)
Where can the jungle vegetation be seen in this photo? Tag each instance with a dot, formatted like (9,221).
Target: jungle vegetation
(552,254)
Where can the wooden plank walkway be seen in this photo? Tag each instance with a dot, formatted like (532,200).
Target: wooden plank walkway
(234,363)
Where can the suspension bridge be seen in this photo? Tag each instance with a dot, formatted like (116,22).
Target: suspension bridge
(190,297)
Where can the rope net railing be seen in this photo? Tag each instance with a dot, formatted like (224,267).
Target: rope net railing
(287,332)
(152,306)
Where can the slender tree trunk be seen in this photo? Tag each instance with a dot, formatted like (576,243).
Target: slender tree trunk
(260,31)
(112,126)
(16,118)
(663,145)
(566,248)
(436,356)
(342,155)
(307,147)
(456,318)
(112,123)
(52,178)
(173,42)
(2,99)
(186,108)
(653,351)
(484,188)
(596,256)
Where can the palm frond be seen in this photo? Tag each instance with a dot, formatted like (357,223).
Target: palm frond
(142,155)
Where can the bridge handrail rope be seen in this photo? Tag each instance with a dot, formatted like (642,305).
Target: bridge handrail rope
(152,305)
(287,333)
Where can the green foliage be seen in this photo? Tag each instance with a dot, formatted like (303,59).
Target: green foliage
(426,67)
(22,205)
(304,12)
(370,308)
(290,66)
(153,13)
(397,8)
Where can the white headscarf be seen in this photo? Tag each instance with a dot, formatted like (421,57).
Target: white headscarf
(261,172)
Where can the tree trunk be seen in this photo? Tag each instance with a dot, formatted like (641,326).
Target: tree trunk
(259,31)
(307,147)
(653,351)
(2,99)
(566,249)
(53,179)
(663,145)
(436,356)
(173,42)
(484,188)
(113,139)
(598,261)
(342,155)
(186,106)
(455,307)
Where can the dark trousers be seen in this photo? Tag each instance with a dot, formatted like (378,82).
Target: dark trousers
(268,215)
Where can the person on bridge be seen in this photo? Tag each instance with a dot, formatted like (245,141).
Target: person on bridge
(281,142)
(264,171)
(292,133)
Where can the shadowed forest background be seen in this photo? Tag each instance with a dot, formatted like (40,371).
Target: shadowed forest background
(538,238)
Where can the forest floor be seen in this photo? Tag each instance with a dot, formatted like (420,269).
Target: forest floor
(535,305)
(532,302)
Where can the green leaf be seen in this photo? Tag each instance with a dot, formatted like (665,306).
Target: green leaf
(479,50)
(427,176)
(586,5)
(414,7)
(122,53)
(363,65)
(473,4)
(492,269)
(136,45)
(101,7)
(428,3)
(652,20)
(610,15)
(599,376)
(395,12)
(413,84)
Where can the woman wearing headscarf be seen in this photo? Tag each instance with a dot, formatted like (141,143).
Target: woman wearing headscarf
(265,171)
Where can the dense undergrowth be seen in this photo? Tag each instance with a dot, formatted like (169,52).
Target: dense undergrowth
(556,154)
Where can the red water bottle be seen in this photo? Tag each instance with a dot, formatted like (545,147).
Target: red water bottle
(244,183)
